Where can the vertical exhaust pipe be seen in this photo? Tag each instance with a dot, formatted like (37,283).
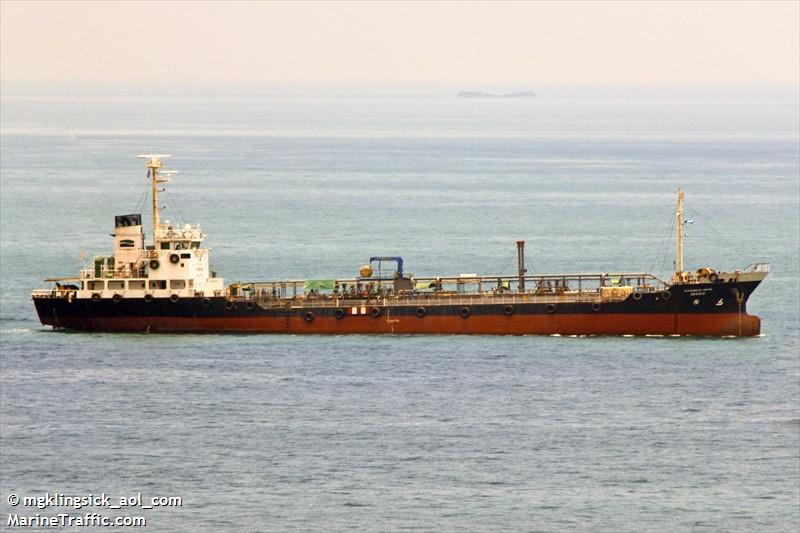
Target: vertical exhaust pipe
(521,266)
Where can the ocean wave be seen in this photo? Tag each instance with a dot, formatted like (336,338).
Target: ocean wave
(18,330)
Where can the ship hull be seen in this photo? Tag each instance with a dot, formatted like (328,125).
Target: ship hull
(710,310)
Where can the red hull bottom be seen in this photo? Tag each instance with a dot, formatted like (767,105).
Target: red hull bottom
(708,324)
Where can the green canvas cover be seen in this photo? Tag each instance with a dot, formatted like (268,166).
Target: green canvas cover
(317,284)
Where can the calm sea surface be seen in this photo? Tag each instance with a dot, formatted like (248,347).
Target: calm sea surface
(290,433)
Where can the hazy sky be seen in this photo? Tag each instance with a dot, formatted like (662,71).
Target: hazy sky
(444,42)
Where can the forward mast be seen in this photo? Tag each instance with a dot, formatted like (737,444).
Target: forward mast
(681,222)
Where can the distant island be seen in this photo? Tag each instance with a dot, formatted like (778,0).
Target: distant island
(479,94)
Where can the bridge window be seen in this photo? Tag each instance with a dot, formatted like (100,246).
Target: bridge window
(126,243)
(165,245)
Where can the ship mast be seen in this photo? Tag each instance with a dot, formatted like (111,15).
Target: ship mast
(154,163)
(680,233)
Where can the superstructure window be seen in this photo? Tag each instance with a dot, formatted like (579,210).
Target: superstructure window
(96,285)
(158,284)
(126,243)
(136,284)
(116,285)
(165,245)
(177,284)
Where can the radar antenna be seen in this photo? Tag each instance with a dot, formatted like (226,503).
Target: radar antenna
(154,163)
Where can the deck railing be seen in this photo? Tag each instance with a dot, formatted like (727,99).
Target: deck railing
(461,290)
(432,300)
(759,267)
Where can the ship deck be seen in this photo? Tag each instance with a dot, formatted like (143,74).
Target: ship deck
(467,290)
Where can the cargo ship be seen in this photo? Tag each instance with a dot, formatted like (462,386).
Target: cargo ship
(167,286)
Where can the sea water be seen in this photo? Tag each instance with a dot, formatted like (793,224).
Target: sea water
(387,433)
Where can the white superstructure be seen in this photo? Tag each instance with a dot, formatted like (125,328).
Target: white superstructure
(174,266)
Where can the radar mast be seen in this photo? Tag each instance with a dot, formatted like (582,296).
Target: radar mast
(154,163)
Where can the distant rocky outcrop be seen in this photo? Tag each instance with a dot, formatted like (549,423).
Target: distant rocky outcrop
(479,94)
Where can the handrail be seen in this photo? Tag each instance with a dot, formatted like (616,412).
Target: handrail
(607,276)
(431,299)
(758,267)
